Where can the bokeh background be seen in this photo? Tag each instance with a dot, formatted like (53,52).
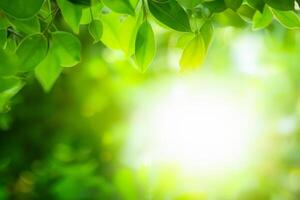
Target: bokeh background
(69,143)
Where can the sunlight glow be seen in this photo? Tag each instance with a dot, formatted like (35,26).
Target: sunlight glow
(207,127)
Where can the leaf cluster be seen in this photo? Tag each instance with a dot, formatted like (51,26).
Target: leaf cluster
(40,37)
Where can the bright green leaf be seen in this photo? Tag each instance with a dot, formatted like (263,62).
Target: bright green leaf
(71,13)
(288,19)
(20,8)
(66,47)
(31,51)
(171,14)
(120,6)
(144,46)
(28,26)
(96,30)
(207,32)
(194,53)
(119,32)
(48,71)
(262,20)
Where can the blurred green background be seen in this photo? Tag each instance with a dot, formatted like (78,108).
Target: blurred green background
(68,143)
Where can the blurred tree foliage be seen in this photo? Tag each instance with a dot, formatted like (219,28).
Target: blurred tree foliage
(64,144)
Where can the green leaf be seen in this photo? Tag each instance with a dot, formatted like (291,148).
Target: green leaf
(31,51)
(120,6)
(3,38)
(207,32)
(215,6)
(8,64)
(20,8)
(281,4)
(246,12)
(71,13)
(262,20)
(48,71)
(257,4)
(120,32)
(289,19)
(96,30)
(28,26)
(144,46)
(66,47)
(193,54)
(8,93)
(189,3)
(8,83)
(170,13)
(233,4)
(81,2)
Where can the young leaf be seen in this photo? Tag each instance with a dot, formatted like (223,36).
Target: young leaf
(48,71)
(66,47)
(28,26)
(120,6)
(233,4)
(262,20)
(207,32)
(119,32)
(170,13)
(194,53)
(96,30)
(281,4)
(31,51)
(20,8)
(144,46)
(289,19)
(71,13)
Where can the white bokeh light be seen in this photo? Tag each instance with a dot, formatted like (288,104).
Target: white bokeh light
(197,127)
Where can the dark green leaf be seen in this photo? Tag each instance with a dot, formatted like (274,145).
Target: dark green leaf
(215,6)
(3,38)
(281,4)
(233,4)
(257,4)
(81,2)
(171,14)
